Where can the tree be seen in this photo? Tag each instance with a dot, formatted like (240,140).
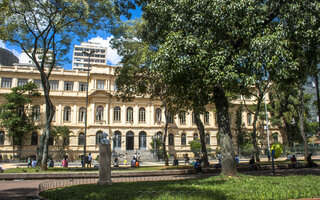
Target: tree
(46,28)
(61,135)
(17,116)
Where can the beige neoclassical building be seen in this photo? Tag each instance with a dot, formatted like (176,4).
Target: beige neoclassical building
(130,125)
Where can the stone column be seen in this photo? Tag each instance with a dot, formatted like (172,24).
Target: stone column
(104,164)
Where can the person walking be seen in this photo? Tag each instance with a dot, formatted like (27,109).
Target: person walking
(89,160)
(186,160)
(29,162)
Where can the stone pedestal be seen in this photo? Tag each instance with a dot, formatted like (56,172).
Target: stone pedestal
(104,164)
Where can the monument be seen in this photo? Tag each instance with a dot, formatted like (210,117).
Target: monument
(104,161)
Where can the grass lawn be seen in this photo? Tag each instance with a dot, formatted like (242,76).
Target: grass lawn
(215,187)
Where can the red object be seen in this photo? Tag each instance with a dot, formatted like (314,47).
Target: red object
(137,164)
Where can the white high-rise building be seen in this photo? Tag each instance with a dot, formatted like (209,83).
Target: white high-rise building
(80,60)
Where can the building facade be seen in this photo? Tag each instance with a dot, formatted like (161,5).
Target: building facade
(80,59)
(131,125)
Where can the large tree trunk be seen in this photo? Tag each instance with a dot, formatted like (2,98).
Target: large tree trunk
(164,138)
(305,141)
(254,131)
(202,138)
(43,145)
(228,163)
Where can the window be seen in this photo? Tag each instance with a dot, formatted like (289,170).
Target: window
(159,136)
(129,140)
(6,82)
(207,139)
(50,142)
(182,117)
(142,140)
(81,139)
(142,115)
(170,118)
(1,138)
(249,119)
(115,88)
(116,114)
(54,115)
(117,140)
(99,113)
(82,86)
(67,114)
(158,115)
(38,83)
(193,118)
(36,112)
(22,82)
(275,138)
(206,118)
(129,114)
(100,84)
(183,139)
(99,137)
(171,139)
(54,85)
(34,138)
(195,136)
(82,114)
(68,85)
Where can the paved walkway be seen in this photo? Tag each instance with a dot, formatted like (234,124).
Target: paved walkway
(27,189)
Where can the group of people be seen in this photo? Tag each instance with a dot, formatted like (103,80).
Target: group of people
(135,160)
(295,163)
(32,162)
(86,160)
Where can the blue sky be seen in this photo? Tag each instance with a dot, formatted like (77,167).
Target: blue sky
(100,36)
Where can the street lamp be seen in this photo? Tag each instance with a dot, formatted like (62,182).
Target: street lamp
(86,113)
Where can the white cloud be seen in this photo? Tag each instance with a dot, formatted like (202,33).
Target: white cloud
(2,44)
(112,57)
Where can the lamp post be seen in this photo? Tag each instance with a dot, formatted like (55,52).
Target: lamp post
(86,113)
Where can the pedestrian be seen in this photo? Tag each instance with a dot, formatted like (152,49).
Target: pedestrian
(288,157)
(82,161)
(197,166)
(34,163)
(186,159)
(29,162)
(252,164)
(237,160)
(51,163)
(116,162)
(311,163)
(175,161)
(293,161)
(64,162)
(125,158)
(89,160)
(1,169)
(219,157)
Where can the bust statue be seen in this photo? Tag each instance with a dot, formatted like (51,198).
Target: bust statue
(104,138)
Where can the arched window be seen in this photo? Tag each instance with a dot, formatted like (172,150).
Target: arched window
(207,139)
(129,114)
(183,139)
(50,142)
(117,140)
(195,136)
(116,114)
(142,140)
(159,136)
(129,140)
(98,137)
(182,117)
(158,115)
(67,114)
(36,112)
(1,138)
(206,118)
(99,113)
(81,139)
(249,119)
(275,138)
(142,115)
(82,114)
(171,139)
(170,118)
(34,138)
(54,115)
(193,118)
